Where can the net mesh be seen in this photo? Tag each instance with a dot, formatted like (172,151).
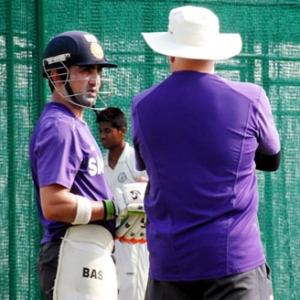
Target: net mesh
(271,57)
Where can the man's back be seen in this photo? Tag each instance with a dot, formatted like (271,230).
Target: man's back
(198,135)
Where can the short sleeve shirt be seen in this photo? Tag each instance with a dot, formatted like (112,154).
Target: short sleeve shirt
(125,170)
(196,134)
(63,151)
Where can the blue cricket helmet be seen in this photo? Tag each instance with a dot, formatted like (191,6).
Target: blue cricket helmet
(74,48)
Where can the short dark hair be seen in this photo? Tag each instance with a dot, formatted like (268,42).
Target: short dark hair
(113,115)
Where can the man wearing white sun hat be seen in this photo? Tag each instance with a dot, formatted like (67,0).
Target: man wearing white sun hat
(200,137)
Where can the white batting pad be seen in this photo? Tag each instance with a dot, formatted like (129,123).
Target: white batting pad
(85,269)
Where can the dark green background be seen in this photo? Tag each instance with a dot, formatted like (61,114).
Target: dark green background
(270,57)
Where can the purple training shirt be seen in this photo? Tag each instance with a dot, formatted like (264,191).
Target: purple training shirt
(63,151)
(196,134)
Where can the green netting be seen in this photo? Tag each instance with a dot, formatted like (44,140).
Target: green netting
(270,57)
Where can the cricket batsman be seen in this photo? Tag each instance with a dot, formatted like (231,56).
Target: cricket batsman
(74,202)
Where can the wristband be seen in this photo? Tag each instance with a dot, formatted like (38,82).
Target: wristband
(83,210)
(109,210)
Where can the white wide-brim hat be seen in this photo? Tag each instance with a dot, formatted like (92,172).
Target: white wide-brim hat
(194,33)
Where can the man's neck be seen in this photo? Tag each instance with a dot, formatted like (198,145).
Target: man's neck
(76,110)
(114,154)
(181,64)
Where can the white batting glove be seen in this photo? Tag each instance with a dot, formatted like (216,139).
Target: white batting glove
(132,219)
(129,199)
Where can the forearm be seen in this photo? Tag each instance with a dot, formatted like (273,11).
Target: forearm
(59,204)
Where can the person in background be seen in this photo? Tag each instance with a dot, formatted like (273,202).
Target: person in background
(200,137)
(119,168)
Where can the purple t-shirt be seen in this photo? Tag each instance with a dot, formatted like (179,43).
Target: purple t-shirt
(196,135)
(63,151)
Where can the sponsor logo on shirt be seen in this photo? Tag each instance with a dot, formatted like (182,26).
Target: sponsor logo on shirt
(95,166)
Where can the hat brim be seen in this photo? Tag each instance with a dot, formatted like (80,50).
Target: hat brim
(224,46)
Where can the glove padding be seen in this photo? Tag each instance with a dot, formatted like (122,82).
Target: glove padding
(129,200)
(132,219)
(132,230)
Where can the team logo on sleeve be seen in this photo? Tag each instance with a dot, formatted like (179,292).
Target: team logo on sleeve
(95,166)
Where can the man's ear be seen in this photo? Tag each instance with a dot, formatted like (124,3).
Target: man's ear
(56,78)
(171,59)
(123,130)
